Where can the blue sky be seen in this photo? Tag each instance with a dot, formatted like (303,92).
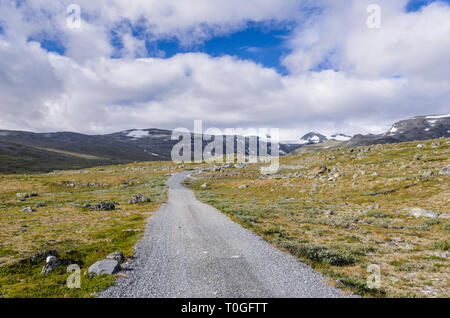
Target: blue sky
(261,43)
(415,5)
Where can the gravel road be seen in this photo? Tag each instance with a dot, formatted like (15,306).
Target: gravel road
(192,250)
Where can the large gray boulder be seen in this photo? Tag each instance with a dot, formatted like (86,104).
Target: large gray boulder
(104,267)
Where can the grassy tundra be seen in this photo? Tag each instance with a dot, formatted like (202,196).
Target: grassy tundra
(356,214)
(340,220)
(81,236)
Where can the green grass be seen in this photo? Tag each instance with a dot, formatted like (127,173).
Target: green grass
(81,236)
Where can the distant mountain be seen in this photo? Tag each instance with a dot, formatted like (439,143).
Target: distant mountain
(420,128)
(413,129)
(22,151)
(312,138)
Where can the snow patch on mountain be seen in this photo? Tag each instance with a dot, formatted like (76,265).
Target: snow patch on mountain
(437,117)
(420,128)
(340,137)
(137,134)
(312,138)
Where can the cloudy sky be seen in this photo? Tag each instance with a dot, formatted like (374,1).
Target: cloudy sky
(299,65)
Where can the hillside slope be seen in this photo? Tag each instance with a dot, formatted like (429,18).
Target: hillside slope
(25,152)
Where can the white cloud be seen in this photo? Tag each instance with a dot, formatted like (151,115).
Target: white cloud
(87,91)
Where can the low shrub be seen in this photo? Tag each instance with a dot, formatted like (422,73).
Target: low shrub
(320,253)
(443,245)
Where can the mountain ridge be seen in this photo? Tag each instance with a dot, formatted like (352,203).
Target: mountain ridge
(413,129)
(23,151)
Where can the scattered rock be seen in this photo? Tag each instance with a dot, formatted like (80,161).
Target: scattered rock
(100,207)
(34,260)
(117,256)
(244,186)
(104,267)
(105,206)
(419,212)
(205,185)
(27,195)
(420,146)
(51,264)
(446,171)
(427,173)
(393,244)
(40,205)
(27,209)
(398,239)
(320,170)
(139,198)
(416,157)
(435,145)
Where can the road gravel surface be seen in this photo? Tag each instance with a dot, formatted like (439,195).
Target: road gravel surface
(191,250)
